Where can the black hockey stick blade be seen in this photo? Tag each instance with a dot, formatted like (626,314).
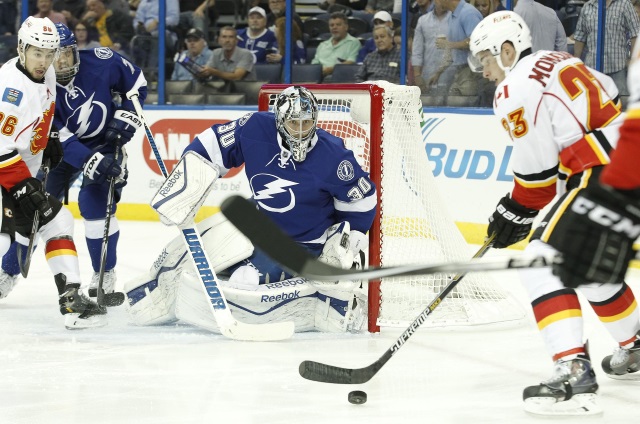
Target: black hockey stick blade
(266,236)
(109,299)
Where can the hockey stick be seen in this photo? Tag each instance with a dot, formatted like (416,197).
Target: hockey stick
(324,373)
(218,305)
(24,266)
(265,235)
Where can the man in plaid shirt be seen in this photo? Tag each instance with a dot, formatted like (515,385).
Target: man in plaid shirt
(384,62)
(622,24)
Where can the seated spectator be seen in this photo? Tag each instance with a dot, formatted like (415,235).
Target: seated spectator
(229,62)
(256,37)
(278,9)
(342,47)
(197,14)
(83,39)
(299,52)
(45,10)
(71,9)
(380,18)
(197,53)
(113,27)
(384,62)
(8,13)
(146,19)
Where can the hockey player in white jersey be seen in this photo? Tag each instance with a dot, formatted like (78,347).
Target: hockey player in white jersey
(28,87)
(564,120)
(309,184)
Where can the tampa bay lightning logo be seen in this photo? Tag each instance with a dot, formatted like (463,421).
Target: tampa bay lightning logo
(88,117)
(273,193)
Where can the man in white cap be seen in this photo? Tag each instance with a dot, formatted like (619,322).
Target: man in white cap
(381,18)
(256,37)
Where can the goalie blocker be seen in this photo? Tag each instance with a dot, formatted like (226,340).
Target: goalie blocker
(170,290)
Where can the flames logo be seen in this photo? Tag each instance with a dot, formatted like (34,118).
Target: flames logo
(41,131)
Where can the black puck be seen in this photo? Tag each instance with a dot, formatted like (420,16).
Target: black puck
(357,397)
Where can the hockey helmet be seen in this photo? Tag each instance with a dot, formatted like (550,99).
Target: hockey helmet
(296,113)
(492,32)
(36,32)
(68,61)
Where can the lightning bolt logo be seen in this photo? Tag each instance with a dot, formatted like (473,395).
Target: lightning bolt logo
(89,116)
(277,188)
(84,116)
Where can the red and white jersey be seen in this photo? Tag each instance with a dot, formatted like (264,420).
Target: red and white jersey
(562,117)
(624,173)
(26,114)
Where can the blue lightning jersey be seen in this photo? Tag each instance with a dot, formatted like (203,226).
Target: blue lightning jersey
(85,106)
(303,198)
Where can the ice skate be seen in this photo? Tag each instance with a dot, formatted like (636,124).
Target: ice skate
(7,283)
(79,310)
(570,391)
(624,364)
(108,282)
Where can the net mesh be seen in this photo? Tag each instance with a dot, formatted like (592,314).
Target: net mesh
(415,226)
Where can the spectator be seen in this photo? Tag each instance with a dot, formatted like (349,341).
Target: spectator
(146,19)
(278,9)
(419,9)
(120,5)
(380,18)
(229,62)
(547,32)
(384,62)
(83,39)
(485,7)
(197,14)
(8,15)
(430,63)
(197,52)
(299,52)
(45,10)
(256,37)
(342,47)
(71,9)
(622,24)
(344,6)
(113,27)
(374,6)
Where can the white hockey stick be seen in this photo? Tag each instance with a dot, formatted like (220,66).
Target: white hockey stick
(266,236)
(228,325)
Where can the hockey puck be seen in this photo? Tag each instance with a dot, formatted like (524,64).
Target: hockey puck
(357,397)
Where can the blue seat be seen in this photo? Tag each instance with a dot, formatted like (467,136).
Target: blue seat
(314,27)
(357,26)
(306,73)
(344,73)
(269,72)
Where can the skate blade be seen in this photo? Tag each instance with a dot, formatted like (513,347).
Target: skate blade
(635,376)
(74,322)
(582,404)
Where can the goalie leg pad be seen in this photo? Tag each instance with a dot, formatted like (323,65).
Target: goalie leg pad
(341,307)
(185,190)
(153,302)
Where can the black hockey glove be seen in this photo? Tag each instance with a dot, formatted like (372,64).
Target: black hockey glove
(122,127)
(511,222)
(99,167)
(596,235)
(53,151)
(30,197)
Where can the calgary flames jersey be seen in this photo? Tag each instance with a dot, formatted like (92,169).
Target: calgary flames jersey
(26,114)
(623,172)
(562,117)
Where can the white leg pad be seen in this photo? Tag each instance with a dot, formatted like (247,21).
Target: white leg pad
(341,307)
(153,303)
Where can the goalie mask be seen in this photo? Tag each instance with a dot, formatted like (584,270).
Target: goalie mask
(495,30)
(296,113)
(68,61)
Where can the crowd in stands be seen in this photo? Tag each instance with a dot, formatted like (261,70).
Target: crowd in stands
(349,41)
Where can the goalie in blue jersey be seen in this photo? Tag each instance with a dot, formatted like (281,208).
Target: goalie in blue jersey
(92,127)
(310,185)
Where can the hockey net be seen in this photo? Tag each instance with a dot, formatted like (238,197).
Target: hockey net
(381,123)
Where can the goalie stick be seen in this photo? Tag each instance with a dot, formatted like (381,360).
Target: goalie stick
(324,373)
(266,236)
(216,300)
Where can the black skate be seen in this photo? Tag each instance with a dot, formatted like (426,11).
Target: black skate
(78,309)
(570,391)
(624,364)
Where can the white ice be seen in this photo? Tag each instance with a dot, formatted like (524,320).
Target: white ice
(179,374)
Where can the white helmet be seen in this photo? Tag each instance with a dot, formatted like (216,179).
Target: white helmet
(495,30)
(37,32)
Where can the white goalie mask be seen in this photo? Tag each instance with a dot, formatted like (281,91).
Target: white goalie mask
(492,32)
(296,113)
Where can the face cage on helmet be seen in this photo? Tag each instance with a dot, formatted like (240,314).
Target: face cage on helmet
(298,145)
(65,75)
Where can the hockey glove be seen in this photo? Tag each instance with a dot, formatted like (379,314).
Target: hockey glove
(30,197)
(122,127)
(511,222)
(100,167)
(53,152)
(596,235)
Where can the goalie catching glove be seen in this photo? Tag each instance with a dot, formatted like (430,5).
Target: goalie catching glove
(344,248)
(596,236)
(511,222)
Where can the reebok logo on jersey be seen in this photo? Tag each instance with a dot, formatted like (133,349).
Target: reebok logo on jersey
(13,96)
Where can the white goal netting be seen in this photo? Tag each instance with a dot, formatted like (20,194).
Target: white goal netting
(381,123)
